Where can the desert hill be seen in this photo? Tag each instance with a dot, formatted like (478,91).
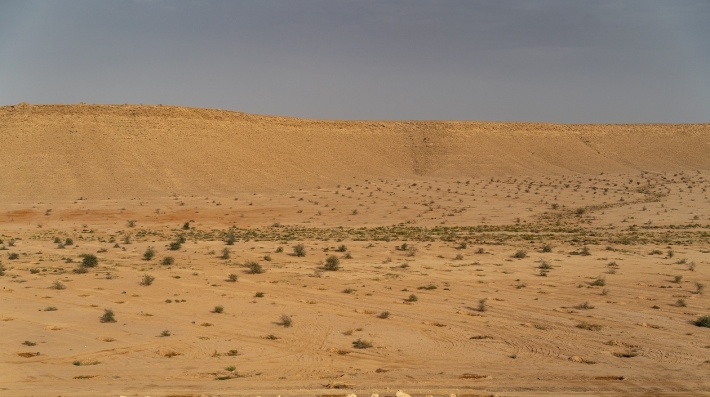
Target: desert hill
(68,151)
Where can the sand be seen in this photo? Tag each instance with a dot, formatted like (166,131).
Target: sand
(471,255)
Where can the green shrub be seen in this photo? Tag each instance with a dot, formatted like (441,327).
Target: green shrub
(703,321)
(89,260)
(599,282)
(108,316)
(547,248)
(175,245)
(218,309)
(383,315)
(342,248)
(482,305)
(286,321)
(147,279)
(231,237)
(69,241)
(149,254)
(299,250)
(412,298)
(332,263)
(186,226)
(253,267)
(13,255)
(232,278)
(226,253)
(168,261)
(520,254)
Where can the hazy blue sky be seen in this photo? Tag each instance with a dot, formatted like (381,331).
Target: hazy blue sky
(539,60)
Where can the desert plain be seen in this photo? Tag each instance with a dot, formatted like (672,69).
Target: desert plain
(168,251)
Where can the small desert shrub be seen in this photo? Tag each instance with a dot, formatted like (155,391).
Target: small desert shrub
(231,368)
(80,270)
(34,270)
(588,326)
(232,278)
(2,269)
(462,246)
(168,261)
(348,291)
(677,279)
(299,250)
(186,226)
(267,258)
(383,315)
(69,241)
(175,245)
(545,265)
(286,321)
(28,343)
(412,250)
(699,288)
(671,253)
(547,248)
(681,303)
(482,305)
(458,257)
(481,251)
(599,282)
(89,260)
(149,254)
(580,211)
(520,254)
(108,316)
(259,295)
(362,344)
(225,253)
(279,250)
(131,223)
(13,255)
(585,251)
(332,263)
(656,252)
(231,237)
(147,279)
(58,285)
(703,321)
(253,267)
(341,248)
(165,333)
(218,309)
(691,266)
(412,298)
(50,309)
(584,306)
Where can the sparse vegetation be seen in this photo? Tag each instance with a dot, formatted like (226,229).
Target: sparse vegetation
(108,316)
(362,344)
(703,321)
(168,261)
(232,278)
(149,254)
(599,282)
(286,321)
(58,285)
(520,254)
(147,279)
(218,309)
(482,307)
(332,263)
(299,250)
(253,267)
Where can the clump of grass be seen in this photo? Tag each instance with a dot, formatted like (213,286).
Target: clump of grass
(218,309)
(165,333)
(28,343)
(254,267)
(547,248)
(341,248)
(412,298)
(599,282)
(108,316)
(259,295)
(89,260)
(383,315)
(147,280)
(362,344)
(585,251)
(589,326)
(545,265)
(267,258)
(175,245)
(332,263)
(226,253)
(520,254)
(681,303)
(149,254)
(458,257)
(286,321)
(50,309)
(232,278)
(13,255)
(279,250)
(58,285)
(299,250)
(482,305)
(168,261)
(703,321)
(348,291)
(3,269)
(677,279)
(699,288)
(584,306)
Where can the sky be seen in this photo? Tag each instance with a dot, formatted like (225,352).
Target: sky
(565,61)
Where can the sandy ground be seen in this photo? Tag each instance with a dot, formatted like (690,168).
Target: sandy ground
(540,283)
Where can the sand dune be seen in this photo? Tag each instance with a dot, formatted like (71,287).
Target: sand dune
(119,151)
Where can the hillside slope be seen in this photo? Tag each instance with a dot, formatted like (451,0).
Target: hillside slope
(100,151)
